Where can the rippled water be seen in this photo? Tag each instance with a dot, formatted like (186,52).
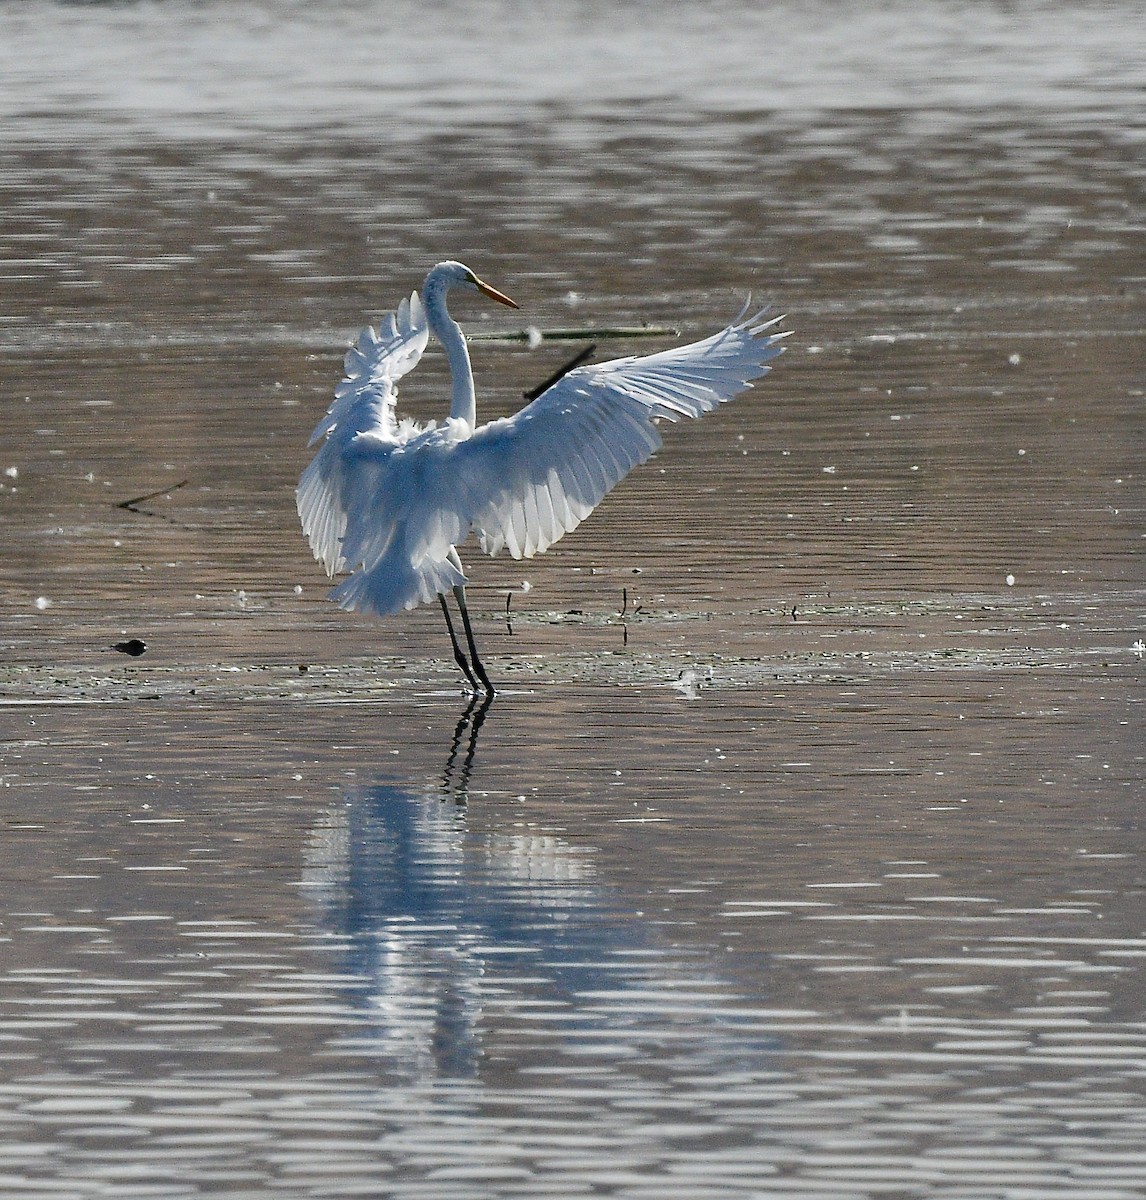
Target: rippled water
(802,853)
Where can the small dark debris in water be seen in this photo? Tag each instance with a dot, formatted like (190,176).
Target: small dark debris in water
(303,668)
(133,646)
(793,612)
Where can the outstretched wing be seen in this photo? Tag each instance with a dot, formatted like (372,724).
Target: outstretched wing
(363,403)
(531,478)
(373,366)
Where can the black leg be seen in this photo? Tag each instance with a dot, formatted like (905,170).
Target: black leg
(460,594)
(459,657)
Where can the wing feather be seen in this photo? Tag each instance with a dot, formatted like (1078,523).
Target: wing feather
(529,479)
(363,404)
(372,368)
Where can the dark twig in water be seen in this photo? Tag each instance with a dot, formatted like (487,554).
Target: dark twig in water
(575,335)
(561,372)
(625,604)
(130,504)
(133,504)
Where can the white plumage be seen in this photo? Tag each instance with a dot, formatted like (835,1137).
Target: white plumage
(389,500)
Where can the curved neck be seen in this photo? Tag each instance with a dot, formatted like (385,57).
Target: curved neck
(463,405)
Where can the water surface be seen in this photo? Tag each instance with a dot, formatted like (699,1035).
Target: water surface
(802,853)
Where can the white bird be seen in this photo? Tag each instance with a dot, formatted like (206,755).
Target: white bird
(389,500)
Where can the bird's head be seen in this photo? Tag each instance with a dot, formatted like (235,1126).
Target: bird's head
(455,274)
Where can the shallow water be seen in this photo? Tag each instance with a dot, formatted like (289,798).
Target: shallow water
(802,852)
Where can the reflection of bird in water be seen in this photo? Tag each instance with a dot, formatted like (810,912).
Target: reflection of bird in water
(389,501)
(427,908)
(458,938)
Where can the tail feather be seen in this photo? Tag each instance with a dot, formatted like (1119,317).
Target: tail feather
(394,584)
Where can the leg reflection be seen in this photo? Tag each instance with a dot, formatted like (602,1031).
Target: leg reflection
(456,774)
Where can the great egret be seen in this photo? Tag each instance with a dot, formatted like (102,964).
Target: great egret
(390,500)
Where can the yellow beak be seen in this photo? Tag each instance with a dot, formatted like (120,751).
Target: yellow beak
(494,294)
